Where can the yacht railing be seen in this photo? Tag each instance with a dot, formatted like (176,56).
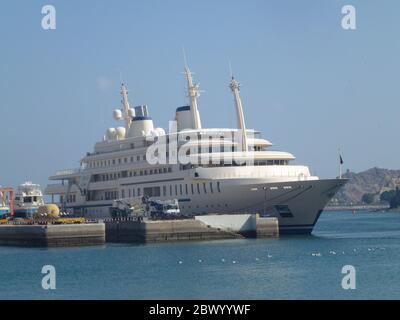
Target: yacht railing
(67,171)
(57,185)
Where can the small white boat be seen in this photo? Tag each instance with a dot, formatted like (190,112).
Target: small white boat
(27,200)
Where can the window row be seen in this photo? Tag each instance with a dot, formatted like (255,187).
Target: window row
(165,191)
(69,198)
(131,173)
(236,164)
(113,162)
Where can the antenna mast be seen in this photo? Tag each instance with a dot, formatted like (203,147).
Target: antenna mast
(235,87)
(126,107)
(193,93)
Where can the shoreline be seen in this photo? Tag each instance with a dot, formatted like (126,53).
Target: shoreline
(378,208)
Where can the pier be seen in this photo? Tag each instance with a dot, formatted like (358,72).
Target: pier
(129,230)
(212,227)
(52,235)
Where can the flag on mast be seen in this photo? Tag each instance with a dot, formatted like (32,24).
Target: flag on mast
(340,164)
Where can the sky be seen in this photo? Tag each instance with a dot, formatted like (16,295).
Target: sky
(308,84)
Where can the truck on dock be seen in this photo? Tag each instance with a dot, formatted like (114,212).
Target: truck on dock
(164,209)
(145,208)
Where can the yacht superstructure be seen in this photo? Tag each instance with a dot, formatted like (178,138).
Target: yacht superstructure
(218,170)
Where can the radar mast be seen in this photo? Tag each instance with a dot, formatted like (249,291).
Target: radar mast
(235,87)
(126,110)
(193,93)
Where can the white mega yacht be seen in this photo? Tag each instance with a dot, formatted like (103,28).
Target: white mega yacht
(209,171)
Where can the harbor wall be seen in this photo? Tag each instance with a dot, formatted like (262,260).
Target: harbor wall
(163,231)
(248,225)
(200,228)
(240,223)
(52,235)
(267,227)
(131,231)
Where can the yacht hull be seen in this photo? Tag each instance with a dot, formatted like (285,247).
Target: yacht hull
(296,204)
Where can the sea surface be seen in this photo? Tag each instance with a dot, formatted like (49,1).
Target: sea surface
(291,267)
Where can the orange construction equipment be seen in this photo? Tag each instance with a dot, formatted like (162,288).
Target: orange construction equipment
(11,199)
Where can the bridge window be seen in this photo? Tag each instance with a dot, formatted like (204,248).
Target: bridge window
(151,191)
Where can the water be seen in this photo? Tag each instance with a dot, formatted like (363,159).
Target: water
(292,267)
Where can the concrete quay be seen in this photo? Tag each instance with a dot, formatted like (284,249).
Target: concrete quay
(211,227)
(63,235)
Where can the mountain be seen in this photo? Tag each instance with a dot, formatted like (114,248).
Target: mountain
(373,181)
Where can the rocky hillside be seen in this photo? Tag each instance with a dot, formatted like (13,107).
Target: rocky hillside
(373,181)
